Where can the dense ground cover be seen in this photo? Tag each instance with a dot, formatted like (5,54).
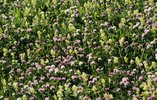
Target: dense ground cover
(78,49)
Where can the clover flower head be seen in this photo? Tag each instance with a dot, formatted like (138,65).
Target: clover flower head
(125,81)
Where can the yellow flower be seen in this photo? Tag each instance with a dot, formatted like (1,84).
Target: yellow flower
(59,93)
(145,93)
(15,86)
(144,86)
(5,51)
(71,27)
(102,81)
(55,97)
(55,2)
(24,97)
(102,42)
(131,62)
(84,77)
(134,97)
(125,59)
(66,86)
(153,65)
(78,72)
(123,20)
(3,82)
(22,56)
(39,34)
(135,12)
(121,41)
(102,35)
(33,2)
(36,20)
(4,2)
(74,89)
(75,51)
(26,11)
(146,65)
(106,95)
(1,31)
(127,1)
(42,62)
(110,41)
(31,90)
(142,21)
(108,10)
(94,88)
(121,25)
(12,54)
(137,61)
(115,60)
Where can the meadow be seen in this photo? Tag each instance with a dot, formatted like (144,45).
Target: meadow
(78,50)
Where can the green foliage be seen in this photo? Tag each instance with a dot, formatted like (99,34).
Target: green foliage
(78,49)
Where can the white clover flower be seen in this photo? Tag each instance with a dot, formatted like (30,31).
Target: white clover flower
(62,67)
(99,59)
(41,12)
(66,11)
(56,70)
(80,63)
(92,62)
(26,87)
(13,94)
(1,97)
(152,42)
(156,56)
(109,60)
(19,99)
(53,66)
(47,67)
(47,98)
(47,61)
